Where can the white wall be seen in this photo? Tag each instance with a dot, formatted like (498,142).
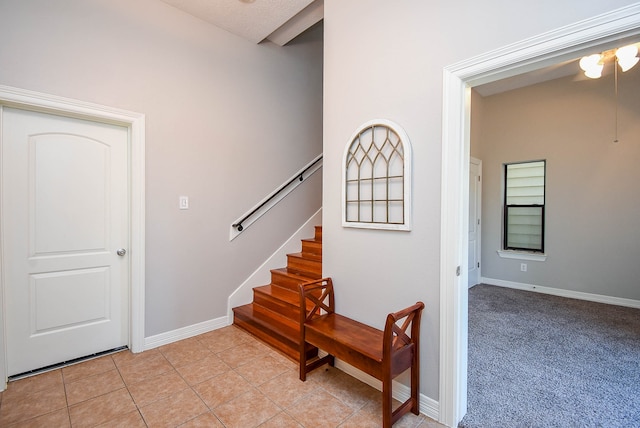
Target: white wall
(227,122)
(592,208)
(385,60)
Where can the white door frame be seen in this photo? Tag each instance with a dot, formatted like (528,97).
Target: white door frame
(135,122)
(608,30)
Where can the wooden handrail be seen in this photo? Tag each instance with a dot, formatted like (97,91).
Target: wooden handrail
(299,176)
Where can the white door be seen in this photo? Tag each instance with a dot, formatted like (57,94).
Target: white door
(65,215)
(475,197)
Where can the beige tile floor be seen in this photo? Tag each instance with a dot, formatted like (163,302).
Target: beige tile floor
(224,378)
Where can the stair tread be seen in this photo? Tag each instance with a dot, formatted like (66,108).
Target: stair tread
(307,256)
(302,276)
(312,240)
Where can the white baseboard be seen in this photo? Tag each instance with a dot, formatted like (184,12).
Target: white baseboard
(599,298)
(428,406)
(184,333)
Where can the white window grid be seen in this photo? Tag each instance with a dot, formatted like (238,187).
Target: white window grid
(377,177)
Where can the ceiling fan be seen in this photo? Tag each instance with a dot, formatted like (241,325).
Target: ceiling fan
(601,64)
(625,58)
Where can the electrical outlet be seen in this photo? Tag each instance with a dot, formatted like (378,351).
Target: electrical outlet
(523,267)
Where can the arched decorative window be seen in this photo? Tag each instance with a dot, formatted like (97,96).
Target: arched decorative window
(377,177)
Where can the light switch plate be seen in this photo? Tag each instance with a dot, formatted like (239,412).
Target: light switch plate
(183,202)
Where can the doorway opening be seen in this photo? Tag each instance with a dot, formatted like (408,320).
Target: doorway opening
(604,31)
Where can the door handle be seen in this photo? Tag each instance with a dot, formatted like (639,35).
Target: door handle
(121,252)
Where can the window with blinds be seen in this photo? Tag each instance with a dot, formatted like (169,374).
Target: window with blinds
(524,206)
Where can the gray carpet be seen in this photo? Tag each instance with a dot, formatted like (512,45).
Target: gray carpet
(537,360)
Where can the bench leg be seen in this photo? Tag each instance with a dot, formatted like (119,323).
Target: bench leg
(303,369)
(415,408)
(303,359)
(387,403)
(307,367)
(415,377)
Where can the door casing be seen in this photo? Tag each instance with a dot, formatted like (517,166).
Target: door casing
(135,122)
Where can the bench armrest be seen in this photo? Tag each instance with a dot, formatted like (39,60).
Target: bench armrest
(396,336)
(316,297)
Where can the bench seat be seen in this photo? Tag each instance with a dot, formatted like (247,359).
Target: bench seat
(348,340)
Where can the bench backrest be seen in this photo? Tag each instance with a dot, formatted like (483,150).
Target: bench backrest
(316,298)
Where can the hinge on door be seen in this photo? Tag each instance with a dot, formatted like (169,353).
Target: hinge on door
(478,221)
(478,178)
(478,264)
(458,271)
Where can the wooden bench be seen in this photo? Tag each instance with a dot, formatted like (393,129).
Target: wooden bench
(381,354)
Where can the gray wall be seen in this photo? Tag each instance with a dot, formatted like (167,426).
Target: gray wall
(592,205)
(227,121)
(384,60)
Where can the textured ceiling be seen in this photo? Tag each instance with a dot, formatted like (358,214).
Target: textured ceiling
(256,20)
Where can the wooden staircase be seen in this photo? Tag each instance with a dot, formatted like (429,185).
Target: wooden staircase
(274,314)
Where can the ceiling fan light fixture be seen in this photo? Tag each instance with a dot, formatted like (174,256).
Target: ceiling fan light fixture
(595,72)
(627,64)
(592,66)
(627,57)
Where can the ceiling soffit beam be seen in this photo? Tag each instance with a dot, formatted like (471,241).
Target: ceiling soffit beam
(291,29)
(252,20)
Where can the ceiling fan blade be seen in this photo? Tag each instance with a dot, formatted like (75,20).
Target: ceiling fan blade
(606,71)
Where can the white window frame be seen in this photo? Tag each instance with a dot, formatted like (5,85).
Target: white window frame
(523,251)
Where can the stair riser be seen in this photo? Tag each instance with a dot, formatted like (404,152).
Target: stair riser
(304,265)
(283,308)
(312,247)
(283,280)
(318,233)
